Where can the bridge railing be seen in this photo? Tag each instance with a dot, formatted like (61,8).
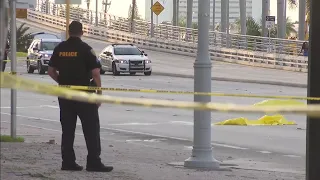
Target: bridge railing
(240,49)
(236,41)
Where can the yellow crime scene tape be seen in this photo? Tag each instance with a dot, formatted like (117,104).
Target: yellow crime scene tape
(15,82)
(189,93)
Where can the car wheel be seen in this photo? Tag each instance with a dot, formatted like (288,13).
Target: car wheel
(147,73)
(102,71)
(29,68)
(40,68)
(114,70)
(132,73)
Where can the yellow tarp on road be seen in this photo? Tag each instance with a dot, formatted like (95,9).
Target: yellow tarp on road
(266,120)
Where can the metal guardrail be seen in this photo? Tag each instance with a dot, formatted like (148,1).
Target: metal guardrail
(116,30)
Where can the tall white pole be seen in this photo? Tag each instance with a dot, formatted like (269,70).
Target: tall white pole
(202,153)
(97,21)
(152,25)
(13,47)
(243,16)
(265,13)
(302,19)
(189,13)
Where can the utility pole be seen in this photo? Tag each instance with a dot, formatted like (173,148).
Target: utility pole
(133,10)
(281,19)
(202,149)
(243,17)
(67,18)
(313,124)
(152,25)
(13,46)
(213,15)
(302,19)
(174,14)
(97,11)
(105,4)
(223,26)
(189,13)
(265,13)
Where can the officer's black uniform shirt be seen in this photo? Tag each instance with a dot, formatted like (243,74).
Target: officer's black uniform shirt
(74,59)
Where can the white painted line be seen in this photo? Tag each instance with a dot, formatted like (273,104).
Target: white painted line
(22,107)
(229,146)
(265,152)
(182,123)
(50,106)
(292,156)
(135,123)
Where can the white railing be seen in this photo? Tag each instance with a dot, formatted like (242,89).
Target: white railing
(235,41)
(175,45)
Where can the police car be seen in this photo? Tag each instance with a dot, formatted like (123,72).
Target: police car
(39,54)
(124,58)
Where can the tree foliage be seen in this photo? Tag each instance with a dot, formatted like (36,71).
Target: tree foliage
(183,23)
(136,13)
(23,38)
(254,28)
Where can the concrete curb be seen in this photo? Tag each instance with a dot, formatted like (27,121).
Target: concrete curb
(276,83)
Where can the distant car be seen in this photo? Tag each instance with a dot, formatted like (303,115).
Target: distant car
(41,35)
(39,54)
(124,58)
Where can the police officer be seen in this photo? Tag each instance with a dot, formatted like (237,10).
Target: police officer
(76,63)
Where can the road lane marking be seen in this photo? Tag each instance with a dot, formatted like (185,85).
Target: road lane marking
(264,152)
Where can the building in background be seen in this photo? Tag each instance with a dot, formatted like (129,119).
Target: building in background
(165,16)
(257,10)
(234,10)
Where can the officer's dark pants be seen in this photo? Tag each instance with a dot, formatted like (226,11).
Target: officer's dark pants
(88,114)
(3,65)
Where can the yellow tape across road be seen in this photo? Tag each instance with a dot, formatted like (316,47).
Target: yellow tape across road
(189,93)
(11,81)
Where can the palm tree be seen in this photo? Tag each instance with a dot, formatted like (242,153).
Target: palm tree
(290,27)
(294,4)
(23,38)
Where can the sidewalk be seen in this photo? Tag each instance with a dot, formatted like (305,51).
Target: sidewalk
(132,159)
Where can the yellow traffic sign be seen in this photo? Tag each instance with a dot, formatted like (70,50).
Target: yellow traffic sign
(157,8)
(21,13)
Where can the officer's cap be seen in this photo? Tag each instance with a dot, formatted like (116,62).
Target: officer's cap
(75,27)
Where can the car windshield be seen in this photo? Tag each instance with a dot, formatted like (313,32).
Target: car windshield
(48,46)
(45,36)
(127,51)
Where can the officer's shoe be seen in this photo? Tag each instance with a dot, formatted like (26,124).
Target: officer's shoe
(99,167)
(71,167)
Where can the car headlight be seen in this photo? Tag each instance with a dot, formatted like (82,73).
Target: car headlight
(148,61)
(46,55)
(122,61)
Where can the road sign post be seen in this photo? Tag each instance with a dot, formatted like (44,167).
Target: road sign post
(157,9)
(270,23)
(313,124)
(202,156)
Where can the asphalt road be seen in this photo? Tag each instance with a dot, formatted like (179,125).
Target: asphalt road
(183,65)
(178,123)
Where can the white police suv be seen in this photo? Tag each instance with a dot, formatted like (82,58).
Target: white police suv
(124,58)
(39,54)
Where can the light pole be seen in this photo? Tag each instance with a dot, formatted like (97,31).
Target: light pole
(202,156)
(13,46)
